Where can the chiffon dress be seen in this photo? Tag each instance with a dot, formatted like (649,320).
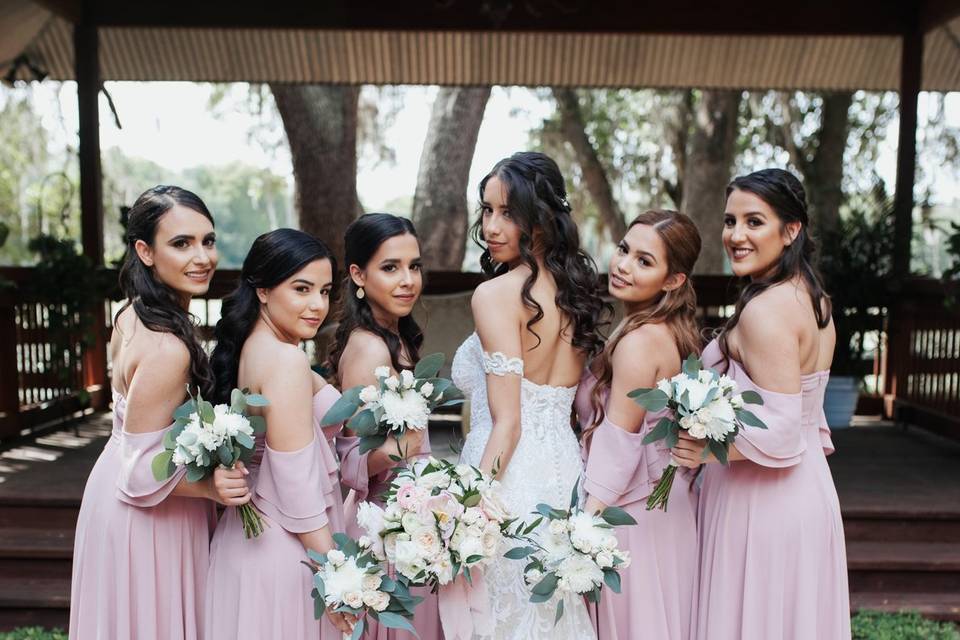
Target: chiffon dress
(140,555)
(658,590)
(772,556)
(258,588)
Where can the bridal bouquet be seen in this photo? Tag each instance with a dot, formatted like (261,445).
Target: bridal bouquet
(706,405)
(396,403)
(351,579)
(574,552)
(441,520)
(205,436)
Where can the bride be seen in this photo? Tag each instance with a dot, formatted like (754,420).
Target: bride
(536,324)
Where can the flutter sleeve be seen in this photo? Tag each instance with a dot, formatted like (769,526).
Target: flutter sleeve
(782,443)
(354,472)
(294,488)
(136,485)
(620,468)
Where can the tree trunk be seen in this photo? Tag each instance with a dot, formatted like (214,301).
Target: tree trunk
(823,175)
(594,175)
(440,209)
(707,170)
(321,126)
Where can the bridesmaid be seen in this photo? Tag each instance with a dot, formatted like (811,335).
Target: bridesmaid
(650,276)
(140,554)
(384,282)
(772,557)
(257,588)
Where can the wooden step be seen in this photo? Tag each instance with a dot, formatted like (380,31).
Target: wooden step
(937,606)
(39,553)
(892,527)
(34,602)
(38,515)
(920,567)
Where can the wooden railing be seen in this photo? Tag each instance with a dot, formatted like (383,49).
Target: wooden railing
(923,363)
(918,373)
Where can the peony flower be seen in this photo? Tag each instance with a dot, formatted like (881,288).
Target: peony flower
(339,581)
(580,573)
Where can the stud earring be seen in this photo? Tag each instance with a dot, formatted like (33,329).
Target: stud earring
(360,293)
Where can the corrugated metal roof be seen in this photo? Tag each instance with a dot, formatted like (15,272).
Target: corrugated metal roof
(503,58)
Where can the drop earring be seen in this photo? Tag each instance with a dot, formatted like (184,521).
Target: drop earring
(360,293)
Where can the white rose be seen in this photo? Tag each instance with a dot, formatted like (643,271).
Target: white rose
(392,383)
(470,546)
(736,401)
(426,389)
(433,480)
(369,395)
(371,582)
(533,576)
(624,557)
(381,372)
(705,376)
(406,377)
(390,546)
(336,557)
(558,527)
(376,600)
(697,430)
(412,523)
(493,506)
(409,562)
(353,599)
(695,390)
(664,385)
(365,542)
(727,383)
(604,559)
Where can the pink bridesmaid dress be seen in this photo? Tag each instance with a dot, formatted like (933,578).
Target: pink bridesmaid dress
(772,558)
(257,588)
(658,591)
(354,474)
(140,555)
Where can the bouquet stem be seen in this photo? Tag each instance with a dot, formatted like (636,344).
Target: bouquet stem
(661,493)
(252,522)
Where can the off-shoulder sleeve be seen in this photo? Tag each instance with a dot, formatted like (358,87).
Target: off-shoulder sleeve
(354,472)
(825,440)
(294,488)
(136,485)
(621,469)
(782,443)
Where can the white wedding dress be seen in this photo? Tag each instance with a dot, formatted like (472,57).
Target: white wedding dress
(544,468)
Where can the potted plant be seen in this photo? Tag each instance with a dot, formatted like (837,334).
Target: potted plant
(856,263)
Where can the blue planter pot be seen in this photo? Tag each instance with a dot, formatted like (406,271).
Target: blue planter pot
(840,401)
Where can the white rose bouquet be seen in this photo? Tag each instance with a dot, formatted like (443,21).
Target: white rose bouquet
(396,403)
(351,579)
(441,520)
(574,551)
(706,405)
(205,436)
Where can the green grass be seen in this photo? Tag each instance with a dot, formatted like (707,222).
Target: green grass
(874,625)
(866,625)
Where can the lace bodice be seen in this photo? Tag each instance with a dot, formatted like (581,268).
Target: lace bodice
(544,468)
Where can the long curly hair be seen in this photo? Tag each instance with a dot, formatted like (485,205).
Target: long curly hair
(785,194)
(363,237)
(274,257)
(157,304)
(538,202)
(677,308)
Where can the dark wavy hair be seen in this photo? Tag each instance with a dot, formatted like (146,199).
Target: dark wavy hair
(159,306)
(274,257)
(364,236)
(785,194)
(538,201)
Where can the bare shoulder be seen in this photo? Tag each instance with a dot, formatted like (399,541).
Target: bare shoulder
(785,306)
(366,346)
(164,350)
(652,342)
(285,356)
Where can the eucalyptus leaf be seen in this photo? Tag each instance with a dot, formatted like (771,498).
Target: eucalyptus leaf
(547,584)
(195,473)
(751,397)
(357,629)
(170,437)
(559,615)
(574,496)
(692,366)
(748,418)
(258,423)
(518,553)
(718,450)
(206,412)
(653,400)
(396,621)
(429,366)
(617,517)
(364,423)
(225,455)
(345,406)
(244,440)
(185,410)
(238,402)
(659,431)
(257,400)
(162,466)
(612,579)
(369,443)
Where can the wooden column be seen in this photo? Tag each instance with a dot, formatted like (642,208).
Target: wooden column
(86,58)
(911,71)
(898,334)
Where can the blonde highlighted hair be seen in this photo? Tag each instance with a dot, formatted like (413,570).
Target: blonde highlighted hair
(676,308)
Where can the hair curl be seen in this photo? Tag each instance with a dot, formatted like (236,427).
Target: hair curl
(158,305)
(363,237)
(677,308)
(785,194)
(538,202)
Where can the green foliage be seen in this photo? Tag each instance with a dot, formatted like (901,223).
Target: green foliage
(874,625)
(856,263)
(33,633)
(953,250)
